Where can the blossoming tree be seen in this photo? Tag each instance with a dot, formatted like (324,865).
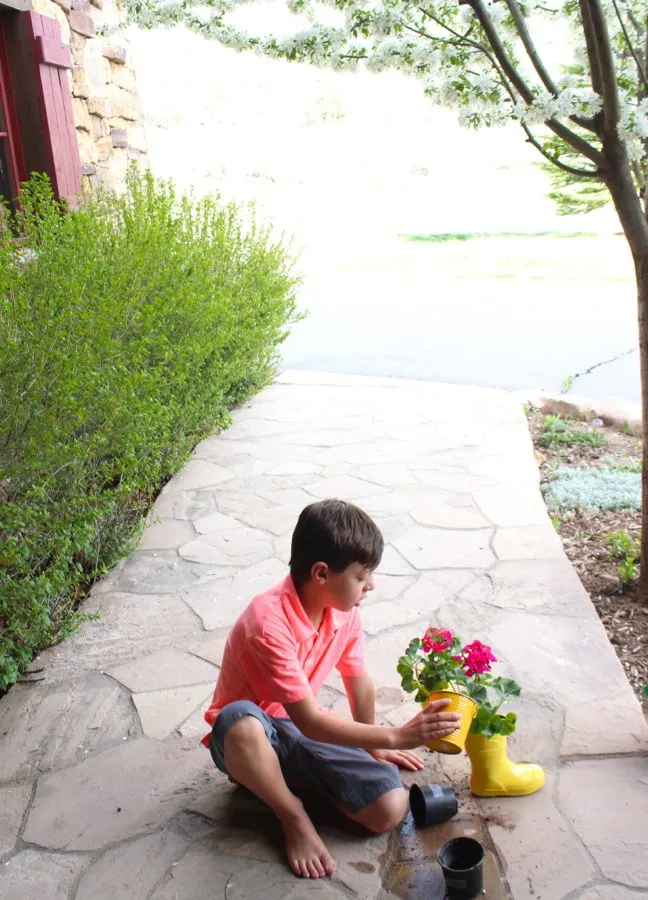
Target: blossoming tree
(488,58)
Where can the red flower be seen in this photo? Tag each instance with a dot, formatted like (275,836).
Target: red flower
(437,640)
(477,658)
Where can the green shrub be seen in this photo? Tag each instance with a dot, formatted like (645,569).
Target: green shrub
(624,549)
(558,431)
(129,328)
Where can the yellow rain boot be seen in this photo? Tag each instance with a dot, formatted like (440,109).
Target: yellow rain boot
(493,773)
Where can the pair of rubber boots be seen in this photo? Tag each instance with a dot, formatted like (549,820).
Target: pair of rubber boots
(493,773)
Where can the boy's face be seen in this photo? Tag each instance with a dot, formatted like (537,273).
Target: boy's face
(347,589)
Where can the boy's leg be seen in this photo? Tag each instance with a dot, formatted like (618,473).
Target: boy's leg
(384,814)
(364,789)
(251,760)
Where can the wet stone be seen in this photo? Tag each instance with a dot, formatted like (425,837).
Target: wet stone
(416,844)
(413,881)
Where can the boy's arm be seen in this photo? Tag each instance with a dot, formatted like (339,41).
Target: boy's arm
(427,725)
(361,693)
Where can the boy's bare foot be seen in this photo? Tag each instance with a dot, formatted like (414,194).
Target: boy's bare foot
(307,855)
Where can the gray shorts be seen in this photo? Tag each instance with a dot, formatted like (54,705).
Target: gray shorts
(345,775)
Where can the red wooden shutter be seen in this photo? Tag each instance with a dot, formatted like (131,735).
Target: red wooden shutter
(52,59)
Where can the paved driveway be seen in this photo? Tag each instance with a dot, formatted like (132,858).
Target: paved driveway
(400,310)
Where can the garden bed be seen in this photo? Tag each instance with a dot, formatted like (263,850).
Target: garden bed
(600,543)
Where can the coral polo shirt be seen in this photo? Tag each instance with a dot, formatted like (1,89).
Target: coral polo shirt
(273,655)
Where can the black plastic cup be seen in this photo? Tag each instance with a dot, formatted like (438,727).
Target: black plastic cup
(462,862)
(432,803)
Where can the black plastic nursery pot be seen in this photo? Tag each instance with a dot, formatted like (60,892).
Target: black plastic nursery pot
(462,863)
(432,803)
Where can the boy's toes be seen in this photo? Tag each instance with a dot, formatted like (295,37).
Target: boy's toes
(328,863)
(315,869)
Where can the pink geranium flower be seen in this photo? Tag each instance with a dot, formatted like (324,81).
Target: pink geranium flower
(436,640)
(477,658)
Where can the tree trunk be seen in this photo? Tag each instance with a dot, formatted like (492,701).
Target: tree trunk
(641,268)
(633,220)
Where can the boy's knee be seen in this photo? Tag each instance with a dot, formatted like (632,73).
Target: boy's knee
(387,812)
(244,733)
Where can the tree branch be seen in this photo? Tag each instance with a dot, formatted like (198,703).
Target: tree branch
(592,50)
(593,12)
(570,137)
(572,170)
(529,46)
(538,64)
(499,50)
(640,69)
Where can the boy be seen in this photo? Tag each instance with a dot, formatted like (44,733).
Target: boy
(269,733)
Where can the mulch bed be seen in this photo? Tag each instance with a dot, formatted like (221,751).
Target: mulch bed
(583,535)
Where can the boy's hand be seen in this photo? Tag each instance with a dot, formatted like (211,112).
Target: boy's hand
(401,758)
(428,725)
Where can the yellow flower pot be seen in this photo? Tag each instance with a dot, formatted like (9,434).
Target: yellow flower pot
(467,709)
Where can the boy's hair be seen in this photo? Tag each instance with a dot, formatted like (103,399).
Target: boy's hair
(336,533)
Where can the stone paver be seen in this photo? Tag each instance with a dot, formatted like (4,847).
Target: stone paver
(542,855)
(160,712)
(30,874)
(168,668)
(425,549)
(48,729)
(132,870)
(14,802)
(604,802)
(115,795)
(104,788)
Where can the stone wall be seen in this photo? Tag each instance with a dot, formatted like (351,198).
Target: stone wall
(106,104)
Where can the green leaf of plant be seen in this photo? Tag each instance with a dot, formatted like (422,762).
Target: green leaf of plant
(409,683)
(404,666)
(507,724)
(478,692)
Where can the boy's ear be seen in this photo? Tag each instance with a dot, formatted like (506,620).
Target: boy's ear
(319,573)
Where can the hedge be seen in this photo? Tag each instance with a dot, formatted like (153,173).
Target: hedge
(128,330)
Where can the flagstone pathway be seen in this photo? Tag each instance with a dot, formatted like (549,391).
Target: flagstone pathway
(105,792)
